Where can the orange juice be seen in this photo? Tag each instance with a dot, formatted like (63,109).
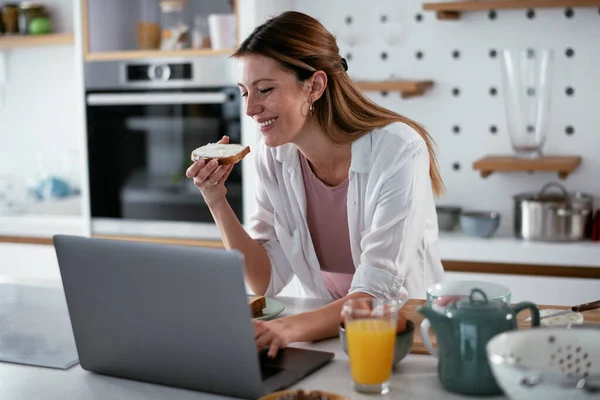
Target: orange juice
(371,349)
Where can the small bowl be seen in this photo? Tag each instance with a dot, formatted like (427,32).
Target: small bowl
(481,224)
(574,318)
(546,363)
(454,290)
(404,340)
(448,217)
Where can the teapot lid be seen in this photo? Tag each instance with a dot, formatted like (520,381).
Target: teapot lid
(475,303)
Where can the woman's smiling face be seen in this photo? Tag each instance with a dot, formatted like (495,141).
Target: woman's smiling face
(274,98)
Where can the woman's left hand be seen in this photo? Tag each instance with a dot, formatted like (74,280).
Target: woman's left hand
(271,333)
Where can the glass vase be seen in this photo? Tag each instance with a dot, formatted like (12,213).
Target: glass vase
(526,85)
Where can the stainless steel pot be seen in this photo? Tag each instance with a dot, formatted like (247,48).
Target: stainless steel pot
(545,216)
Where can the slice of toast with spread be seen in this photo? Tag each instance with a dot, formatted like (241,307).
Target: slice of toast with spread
(257,305)
(224,153)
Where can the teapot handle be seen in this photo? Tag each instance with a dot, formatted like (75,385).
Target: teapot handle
(425,325)
(535,312)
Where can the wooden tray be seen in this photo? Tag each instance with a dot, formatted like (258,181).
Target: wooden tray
(592,317)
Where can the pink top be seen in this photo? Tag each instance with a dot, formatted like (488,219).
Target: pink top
(327,220)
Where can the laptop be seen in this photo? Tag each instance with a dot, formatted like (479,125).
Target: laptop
(171,315)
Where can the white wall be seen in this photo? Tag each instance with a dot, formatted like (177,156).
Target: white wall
(41,119)
(37,117)
(474,73)
(474,110)
(253,13)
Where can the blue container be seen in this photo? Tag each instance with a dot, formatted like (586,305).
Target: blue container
(480,223)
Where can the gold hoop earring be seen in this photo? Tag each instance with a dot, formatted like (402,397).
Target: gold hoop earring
(311,109)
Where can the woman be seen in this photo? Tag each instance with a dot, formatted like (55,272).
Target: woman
(346,188)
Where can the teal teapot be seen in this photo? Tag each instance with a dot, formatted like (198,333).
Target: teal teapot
(462,331)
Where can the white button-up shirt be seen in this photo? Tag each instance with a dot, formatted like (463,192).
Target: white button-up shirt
(391,217)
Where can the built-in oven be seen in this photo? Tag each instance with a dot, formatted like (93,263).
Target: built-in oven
(144,118)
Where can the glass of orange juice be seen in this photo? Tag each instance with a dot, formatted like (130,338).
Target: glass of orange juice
(371,338)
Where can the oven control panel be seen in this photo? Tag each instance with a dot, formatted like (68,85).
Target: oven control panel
(159,72)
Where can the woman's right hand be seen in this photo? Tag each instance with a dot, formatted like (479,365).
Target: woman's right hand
(210,178)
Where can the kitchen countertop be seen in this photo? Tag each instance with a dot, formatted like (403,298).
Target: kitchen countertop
(43,219)
(509,250)
(41,225)
(454,246)
(415,377)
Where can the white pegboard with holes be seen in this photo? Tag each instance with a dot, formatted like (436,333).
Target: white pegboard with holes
(464,111)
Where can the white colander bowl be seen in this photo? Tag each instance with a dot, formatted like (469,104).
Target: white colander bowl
(547,363)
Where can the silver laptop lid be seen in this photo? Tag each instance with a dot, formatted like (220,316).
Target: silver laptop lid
(173,315)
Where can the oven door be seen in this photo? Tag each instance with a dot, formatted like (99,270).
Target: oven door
(139,147)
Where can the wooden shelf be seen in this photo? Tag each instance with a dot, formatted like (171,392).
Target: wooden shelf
(450,10)
(139,54)
(406,88)
(20,41)
(562,165)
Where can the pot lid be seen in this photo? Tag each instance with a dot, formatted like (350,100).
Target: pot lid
(562,196)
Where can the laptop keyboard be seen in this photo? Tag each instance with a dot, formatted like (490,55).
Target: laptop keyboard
(269,366)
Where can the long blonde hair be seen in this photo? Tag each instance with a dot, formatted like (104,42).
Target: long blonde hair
(301,44)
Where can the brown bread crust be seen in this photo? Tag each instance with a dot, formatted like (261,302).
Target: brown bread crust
(257,304)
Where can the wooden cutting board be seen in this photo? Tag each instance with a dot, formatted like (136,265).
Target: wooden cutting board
(592,317)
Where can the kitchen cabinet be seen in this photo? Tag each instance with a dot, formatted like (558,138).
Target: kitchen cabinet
(110,28)
(28,261)
(458,247)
